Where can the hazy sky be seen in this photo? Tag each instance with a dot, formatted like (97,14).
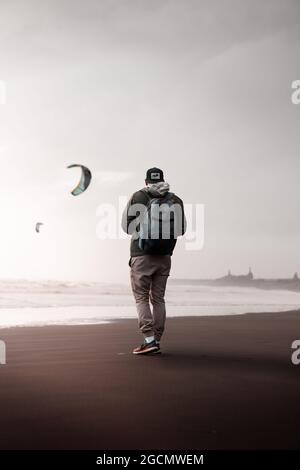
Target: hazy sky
(199,88)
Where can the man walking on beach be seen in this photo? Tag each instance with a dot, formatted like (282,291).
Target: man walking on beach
(155,218)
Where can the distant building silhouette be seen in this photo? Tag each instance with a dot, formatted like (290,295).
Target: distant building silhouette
(236,279)
(291,283)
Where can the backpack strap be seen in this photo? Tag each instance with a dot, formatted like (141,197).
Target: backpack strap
(144,191)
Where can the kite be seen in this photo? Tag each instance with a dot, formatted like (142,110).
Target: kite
(85,180)
(38,226)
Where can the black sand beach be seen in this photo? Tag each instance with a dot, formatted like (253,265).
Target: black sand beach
(222,383)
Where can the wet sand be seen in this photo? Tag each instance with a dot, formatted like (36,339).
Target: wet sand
(222,383)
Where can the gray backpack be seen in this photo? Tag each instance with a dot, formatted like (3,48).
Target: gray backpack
(157,234)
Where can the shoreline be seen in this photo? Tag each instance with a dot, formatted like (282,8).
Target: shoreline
(84,316)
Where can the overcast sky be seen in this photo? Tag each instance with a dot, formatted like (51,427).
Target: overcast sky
(200,88)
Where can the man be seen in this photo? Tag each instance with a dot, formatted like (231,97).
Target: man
(155,218)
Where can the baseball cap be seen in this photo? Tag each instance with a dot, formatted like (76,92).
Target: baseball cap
(154,175)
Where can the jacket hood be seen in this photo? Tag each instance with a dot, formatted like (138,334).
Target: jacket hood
(158,189)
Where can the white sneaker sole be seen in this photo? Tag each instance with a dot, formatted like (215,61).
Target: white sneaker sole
(152,349)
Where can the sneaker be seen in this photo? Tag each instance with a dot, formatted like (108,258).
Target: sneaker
(146,348)
(158,350)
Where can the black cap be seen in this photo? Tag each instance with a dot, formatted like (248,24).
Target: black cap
(154,175)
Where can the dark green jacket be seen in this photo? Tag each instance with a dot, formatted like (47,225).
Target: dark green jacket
(143,197)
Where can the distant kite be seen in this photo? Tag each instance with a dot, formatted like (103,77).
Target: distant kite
(85,179)
(38,226)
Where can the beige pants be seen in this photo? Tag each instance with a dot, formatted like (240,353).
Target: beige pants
(149,275)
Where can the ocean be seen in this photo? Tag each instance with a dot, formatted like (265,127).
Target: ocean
(25,303)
